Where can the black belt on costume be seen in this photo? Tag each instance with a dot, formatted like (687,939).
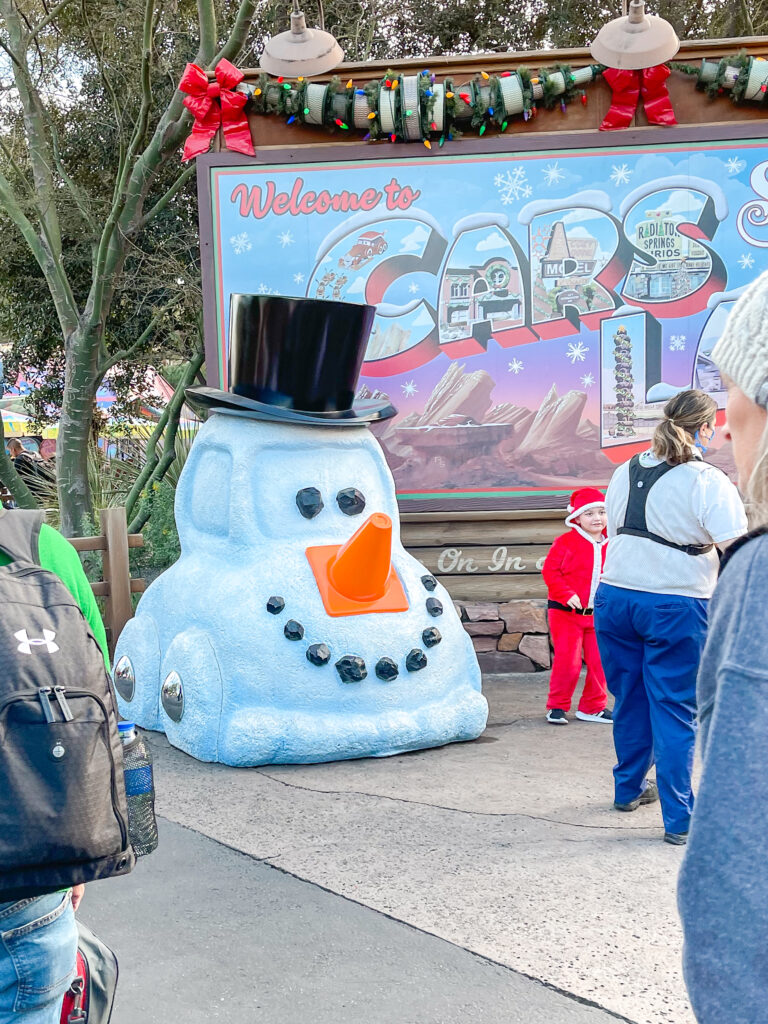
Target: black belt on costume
(641,480)
(567,608)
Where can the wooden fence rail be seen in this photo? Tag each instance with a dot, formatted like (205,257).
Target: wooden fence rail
(117,585)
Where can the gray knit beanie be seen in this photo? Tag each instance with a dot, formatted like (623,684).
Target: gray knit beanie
(742,351)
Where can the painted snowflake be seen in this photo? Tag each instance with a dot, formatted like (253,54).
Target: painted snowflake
(553,174)
(587,380)
(240,243)
(620,174)
(515,366)
(512,185)
(677,343)
(285,238)
(409,388)
(413,288)
(264,289)
(734,165)
(747,261)
(298,278)
(577,351)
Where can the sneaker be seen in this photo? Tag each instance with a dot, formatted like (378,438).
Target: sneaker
(555,716)
(601,716)
(676,838)
(649,795)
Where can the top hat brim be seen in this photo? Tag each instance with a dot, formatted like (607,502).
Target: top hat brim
(365,410)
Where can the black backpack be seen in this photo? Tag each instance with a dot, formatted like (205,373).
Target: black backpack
(63,811)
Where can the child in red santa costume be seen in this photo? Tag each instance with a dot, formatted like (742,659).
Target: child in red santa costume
(572,572)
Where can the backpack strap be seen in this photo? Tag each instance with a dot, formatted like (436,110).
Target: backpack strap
(20,534)
(641,480)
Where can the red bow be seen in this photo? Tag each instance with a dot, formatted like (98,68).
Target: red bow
(210,115)
(629,86)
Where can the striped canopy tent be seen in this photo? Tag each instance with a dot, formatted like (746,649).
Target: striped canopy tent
(155,395)
(17,424)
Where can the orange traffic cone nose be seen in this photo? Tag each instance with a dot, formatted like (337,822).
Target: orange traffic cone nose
(358,577)
(361,568)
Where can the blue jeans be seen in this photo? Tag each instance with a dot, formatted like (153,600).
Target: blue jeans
(650,647)
(38,954)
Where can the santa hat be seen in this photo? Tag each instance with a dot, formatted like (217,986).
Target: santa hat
(583,499)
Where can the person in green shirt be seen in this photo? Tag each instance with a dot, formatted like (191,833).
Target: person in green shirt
(45,925)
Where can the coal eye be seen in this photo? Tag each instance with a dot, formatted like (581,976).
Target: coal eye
(350,501)
(309,502)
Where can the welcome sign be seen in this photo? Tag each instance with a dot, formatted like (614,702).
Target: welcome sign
(534,310)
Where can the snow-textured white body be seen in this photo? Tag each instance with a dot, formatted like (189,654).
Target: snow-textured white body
(250,695)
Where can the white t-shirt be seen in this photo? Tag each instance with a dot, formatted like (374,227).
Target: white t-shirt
(692,504)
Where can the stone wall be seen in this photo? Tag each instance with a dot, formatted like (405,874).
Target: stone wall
(508,637)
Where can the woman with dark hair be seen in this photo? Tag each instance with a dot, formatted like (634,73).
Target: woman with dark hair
(667,509)
(724,876)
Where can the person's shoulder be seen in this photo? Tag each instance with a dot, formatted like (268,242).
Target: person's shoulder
(745,562)
(55,550)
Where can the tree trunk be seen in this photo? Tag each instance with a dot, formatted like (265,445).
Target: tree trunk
(74,436)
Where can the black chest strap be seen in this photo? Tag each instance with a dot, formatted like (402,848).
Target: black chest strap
(641,480)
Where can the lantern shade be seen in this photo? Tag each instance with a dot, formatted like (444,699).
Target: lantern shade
(302,51)
(637,40)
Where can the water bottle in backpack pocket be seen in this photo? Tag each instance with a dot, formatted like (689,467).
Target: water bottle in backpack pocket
(139,790)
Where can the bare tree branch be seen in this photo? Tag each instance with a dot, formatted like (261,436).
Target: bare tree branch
(34,121)
(206,16)
(125,354)
(52,14)
(239,33)
(161,204)
(56,279)
(156,467)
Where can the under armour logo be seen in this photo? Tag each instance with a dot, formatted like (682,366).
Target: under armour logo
(26,643)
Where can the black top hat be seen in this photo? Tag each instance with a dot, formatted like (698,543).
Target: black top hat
(295,360)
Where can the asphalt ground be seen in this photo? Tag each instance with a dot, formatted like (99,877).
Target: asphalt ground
(204,933)
(486,881)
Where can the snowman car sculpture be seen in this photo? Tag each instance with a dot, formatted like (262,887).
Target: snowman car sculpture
(295,627)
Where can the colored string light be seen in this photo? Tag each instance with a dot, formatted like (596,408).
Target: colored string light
(291,119)
(427,143)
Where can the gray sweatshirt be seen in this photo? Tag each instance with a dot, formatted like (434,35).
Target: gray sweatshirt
(723,888)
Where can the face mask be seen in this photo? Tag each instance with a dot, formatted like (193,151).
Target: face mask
(703,448)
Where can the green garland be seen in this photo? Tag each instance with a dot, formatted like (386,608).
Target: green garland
(479,103)
(719,85)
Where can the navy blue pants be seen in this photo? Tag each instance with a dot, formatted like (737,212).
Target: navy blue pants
(650,646)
